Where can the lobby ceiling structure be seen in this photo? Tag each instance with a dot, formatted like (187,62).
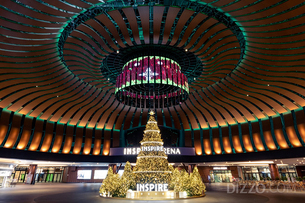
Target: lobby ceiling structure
(244,60)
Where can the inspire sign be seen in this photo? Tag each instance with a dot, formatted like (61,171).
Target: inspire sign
(184,151)
(152,187)
(167,150)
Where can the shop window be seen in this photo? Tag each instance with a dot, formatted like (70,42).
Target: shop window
(84,174)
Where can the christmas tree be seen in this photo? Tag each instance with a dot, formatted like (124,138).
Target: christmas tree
(126,182)
(182,182)
(115,186)
(152,166)
(128,175)
(174,179)
(196,185)
(110,184)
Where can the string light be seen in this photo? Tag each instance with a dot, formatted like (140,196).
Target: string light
(139,157)
(151,142)
(152,172)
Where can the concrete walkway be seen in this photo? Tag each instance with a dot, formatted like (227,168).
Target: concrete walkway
(88,193)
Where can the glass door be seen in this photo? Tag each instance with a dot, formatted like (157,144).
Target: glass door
(221,176)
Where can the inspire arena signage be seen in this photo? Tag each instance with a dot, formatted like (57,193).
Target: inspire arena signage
(184,151)
(152,187)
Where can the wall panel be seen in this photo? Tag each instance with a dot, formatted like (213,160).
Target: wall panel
(300,118)
(107,142)
(58,142)
(257,136)
(197,142)
(97,142)
(88,141)
(26,133)
(4,122)
(235,139)
(206,142)
(47,137)
(78,140)
(290,130)
(14,131)
(68,139)
(270,142)
(188,138)
(216,141)
(37,135)
(278,132)
(246,137)
(226,140)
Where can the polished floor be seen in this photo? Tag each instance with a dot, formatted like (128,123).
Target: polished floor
(88,193)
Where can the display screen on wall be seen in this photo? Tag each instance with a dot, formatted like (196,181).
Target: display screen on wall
(101,174)
(84,174)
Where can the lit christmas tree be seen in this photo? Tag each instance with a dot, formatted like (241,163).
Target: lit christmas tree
(152,166)
(196,185)
(152,171)
(110,184)
(126,182)
(182,182)
(174,179)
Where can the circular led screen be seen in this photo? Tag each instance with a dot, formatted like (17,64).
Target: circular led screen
(152,78)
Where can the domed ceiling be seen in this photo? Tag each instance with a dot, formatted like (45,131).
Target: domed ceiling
(244,59)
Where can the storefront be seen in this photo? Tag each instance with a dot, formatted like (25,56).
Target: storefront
(5,174)
(87,174)
(256,172)
(19,174)
(5,177)
(288,172)
(221,175)
(49,174)
(43,174)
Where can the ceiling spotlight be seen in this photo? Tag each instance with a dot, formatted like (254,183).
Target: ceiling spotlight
(186,50)
(117,51)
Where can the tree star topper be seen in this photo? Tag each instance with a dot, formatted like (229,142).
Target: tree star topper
(151,113)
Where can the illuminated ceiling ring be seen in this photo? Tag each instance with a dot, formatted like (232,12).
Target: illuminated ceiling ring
(151,82)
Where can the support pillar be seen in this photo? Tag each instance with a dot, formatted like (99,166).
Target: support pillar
(30,179)
(240,173)
(300,171)
(274,172)
(191,168)
(114,167)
